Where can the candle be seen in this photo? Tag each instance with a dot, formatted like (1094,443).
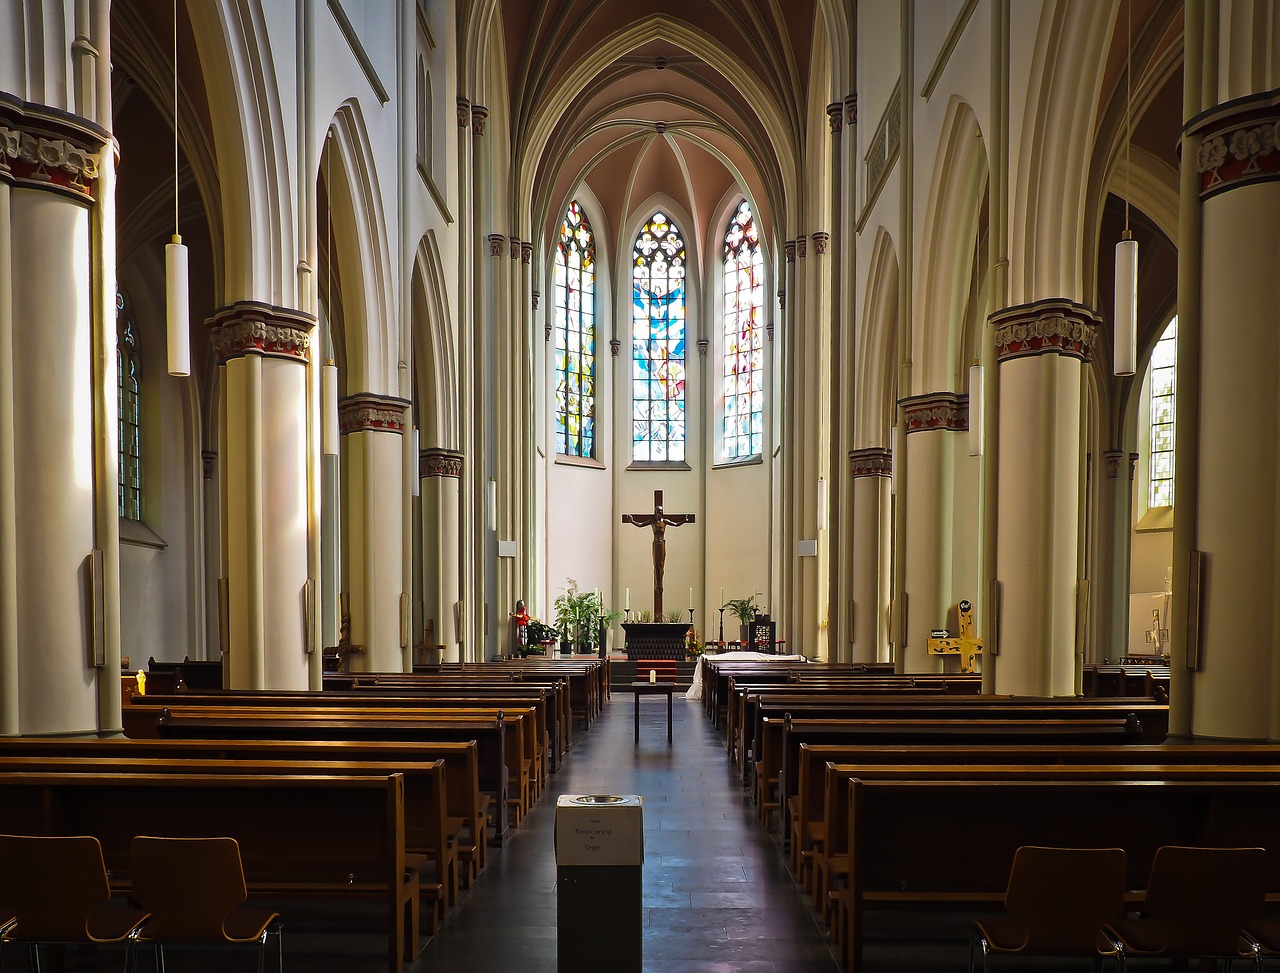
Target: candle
(626,602)
(722,596)
(690,597)
(653,676)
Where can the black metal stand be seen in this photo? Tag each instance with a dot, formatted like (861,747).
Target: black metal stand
(690,617)
(722,629)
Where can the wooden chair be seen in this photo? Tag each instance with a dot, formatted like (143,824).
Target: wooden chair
(194,889)
(1197,902)
(1056,904)
(57,893)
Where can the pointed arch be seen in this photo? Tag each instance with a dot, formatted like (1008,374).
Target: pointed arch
(876,387)
(434,348)
(945,278)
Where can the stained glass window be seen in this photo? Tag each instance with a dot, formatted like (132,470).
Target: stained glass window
(575,317)
(743,337)
(1164,391)
(129,390)
(658,342)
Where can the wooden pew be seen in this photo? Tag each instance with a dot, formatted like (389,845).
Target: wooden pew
(298,836)
(259,723)
(462,775)
(899,857)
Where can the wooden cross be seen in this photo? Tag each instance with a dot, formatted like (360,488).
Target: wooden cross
(659,521)
(967,646)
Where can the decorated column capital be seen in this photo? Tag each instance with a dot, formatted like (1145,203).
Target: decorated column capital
(45,148)
(1113,458)
(615,346)
(464,113)
(1133,466)
(851,109)
(438,461)
(802,246)
(703,345)
(1239,143)
(782,299)
(936,410)
(835,116)
(478,115)
(1053,327)
(789,248)
(820,240)
(367,412)
(526,254)
(252,328)
(537,296)
(515,247)
(871,461)
(496,244)
(208,461)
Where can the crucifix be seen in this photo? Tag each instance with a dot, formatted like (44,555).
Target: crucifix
(967,646)
(659,521)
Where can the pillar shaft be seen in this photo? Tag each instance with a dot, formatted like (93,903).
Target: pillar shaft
(870,583)
(441,473)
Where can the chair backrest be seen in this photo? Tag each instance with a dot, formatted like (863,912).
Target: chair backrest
(1204,896)
(189,885)
(1063,896)
(52,885)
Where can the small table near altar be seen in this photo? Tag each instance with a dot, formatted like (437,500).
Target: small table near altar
(652,688)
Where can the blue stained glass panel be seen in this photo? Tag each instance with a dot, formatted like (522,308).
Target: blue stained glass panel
(743,337)
(658,345)
(574,294)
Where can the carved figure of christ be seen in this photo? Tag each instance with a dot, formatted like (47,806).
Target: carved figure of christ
(659,521)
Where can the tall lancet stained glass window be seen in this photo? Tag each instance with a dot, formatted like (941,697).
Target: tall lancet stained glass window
(575,317)
(743,337)
(129,410)
(1164,396)
(658,343)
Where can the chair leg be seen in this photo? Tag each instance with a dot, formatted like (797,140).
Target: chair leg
(34,952)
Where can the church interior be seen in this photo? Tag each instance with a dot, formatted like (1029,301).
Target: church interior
(445,368)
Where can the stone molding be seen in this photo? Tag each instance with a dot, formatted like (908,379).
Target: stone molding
(615,346)
(1054,327)
(1133,466)
(208,460)
(835,117)
(251,328)
(871,461)
(537,296)
(478,115)
(782,299)
(438,461)
(936,411)
(820,240)
(1113,458)
(1239,143)
(366,412)
(496,243)
(44,148)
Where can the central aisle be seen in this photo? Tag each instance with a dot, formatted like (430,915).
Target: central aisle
(717,894)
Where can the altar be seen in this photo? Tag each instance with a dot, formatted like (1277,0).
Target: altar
(656,640)
(695,691)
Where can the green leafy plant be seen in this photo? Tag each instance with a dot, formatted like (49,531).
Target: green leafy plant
(675,615)
(540,631)
(579,615)
(643,615)
(744,609)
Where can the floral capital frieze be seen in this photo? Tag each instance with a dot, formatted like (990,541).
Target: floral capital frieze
(478,115)
(789,248)
(526,253)
(249,328)
(871,461)
(936,410)
(497,242)
(464,113)
(820,240)
(367,412)
(437,461)
(42,151)
(1239,144)
(835,116)
(1043,328)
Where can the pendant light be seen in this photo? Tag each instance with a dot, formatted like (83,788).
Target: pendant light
(329,371)
(975,409)
(1126,281)
(177,305)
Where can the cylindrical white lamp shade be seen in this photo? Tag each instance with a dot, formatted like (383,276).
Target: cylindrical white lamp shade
(415,482)
(491,499)
(975,410)
(329,403)
(822,503)
(177,307)
(1126,317)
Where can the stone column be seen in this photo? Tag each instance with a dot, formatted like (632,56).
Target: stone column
(441,473)
(374,428)
(786,598)
(934,427)
(529,430)
(1234,466)
(1116,528)
(1040,348)
(262,357)
(871,583)
(53,365)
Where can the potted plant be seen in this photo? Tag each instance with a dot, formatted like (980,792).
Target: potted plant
(745,611)
(579,615)
(541,637)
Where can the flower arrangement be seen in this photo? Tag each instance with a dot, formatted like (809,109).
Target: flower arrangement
(540,632)
(693,644)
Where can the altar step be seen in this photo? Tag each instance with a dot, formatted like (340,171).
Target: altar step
(625,670)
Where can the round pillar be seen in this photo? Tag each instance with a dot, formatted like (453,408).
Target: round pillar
(872,532)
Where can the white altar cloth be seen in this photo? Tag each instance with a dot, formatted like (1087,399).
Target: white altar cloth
(695,691)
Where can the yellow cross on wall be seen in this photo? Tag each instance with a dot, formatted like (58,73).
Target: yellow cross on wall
(966,645)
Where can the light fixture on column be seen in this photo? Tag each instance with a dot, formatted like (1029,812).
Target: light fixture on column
(329,411)
(177,305)
(415,481)
(975,409)
(491,504)
(1126,281)
(822,503)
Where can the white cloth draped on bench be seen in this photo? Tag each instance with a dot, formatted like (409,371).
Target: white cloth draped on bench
(695,691)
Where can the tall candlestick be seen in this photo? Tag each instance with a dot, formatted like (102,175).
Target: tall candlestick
(690,597)
(626,601)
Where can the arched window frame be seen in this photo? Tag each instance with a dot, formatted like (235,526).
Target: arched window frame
(574,304)
(659,343)
(742,338)
(129,408)
(1162,400)
(424,118)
